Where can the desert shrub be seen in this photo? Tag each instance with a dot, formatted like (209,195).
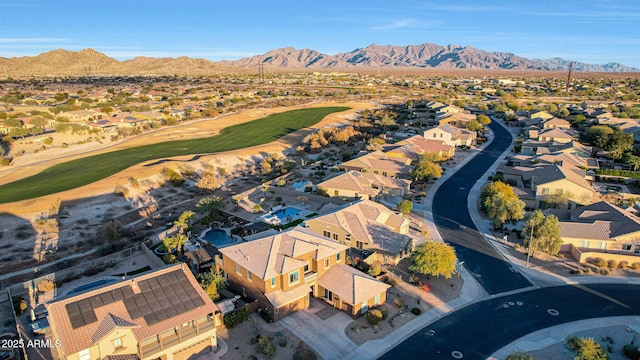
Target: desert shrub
(19,304)
(265,347)
(235,318)
(169,259)
(374,316)
(174,177)
(612,264)
(623,264)
(46,285)
(416,311)
(586,348)
(604,272)
(399,302)
(374,270)
(635,266)
(282,342)
(519,356)
(631,351)
(599,262)
(121,190)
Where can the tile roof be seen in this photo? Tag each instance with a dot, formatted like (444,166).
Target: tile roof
(276,254)
(599,221)
(364,183)
(352,285)
(378,160)
(371,223)
(110,323)
(154,302)
(279,297)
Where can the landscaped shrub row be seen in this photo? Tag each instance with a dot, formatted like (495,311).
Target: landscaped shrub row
(614,172)
(236,318)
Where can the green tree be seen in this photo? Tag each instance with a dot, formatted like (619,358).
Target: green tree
(501,203)
(39,122)
(375,144)
(563,113)
(211,204)
(633,161)
(474,125)
(405,207)
(425,170)
(13,122)
(173,242)
(619,143)
(434,258)
(212,282)
(542,232)
(598,135)
(484,119)
(184,221)
(519,356)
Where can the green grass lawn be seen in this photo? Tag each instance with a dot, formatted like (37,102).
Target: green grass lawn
(76,173)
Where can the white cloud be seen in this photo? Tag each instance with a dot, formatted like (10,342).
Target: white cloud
(398,24)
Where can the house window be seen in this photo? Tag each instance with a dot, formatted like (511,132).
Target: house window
(441,136)
(603,245)
(435,135)
(384,173)
(626,247)
(544,191)
(328,295)
(117,343)
(364,308)
(249,275)
(84,355)
(558,191)
(326,263)
(584,243)
(294,277)
(335,192)
(239,269)
(338,257)
(335,236)
(306,267)
(273,282)
(377,300)
(326,234)
(359,244)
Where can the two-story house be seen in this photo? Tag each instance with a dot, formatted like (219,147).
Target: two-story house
(451,135)
(163,314)
(284,270)
(367,225)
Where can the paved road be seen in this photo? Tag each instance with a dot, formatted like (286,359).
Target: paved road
(456,227)
(478,330)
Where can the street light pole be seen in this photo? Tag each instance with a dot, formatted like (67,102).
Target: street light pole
(530,241)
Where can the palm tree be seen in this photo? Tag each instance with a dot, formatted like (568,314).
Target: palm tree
(184,221)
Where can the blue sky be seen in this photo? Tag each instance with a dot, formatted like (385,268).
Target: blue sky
(591,31)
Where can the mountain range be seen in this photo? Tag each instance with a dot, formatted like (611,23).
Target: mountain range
(424,56)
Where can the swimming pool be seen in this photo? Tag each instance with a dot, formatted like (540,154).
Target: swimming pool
(218,238)
(286,214)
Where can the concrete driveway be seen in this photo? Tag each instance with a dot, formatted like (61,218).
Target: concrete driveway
(326,337)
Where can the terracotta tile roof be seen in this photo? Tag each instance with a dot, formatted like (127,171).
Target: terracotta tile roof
(364,183)
(371,223)
(108,324)
(278,298)
(276,254)
(378,160)
(121,357)
(154,301)
(352,285)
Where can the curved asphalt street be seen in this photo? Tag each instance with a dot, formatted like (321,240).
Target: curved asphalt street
(456,227)
(478,330)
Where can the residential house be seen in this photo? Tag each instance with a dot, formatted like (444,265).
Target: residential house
(459,119)
(558,135)
(417,146)
(380,163)
(356,185)
(556,123)
(451,135)
(284,270)
(542,115)
(551,184)
(599,230)
(367,225)
(83,115)
(163,314)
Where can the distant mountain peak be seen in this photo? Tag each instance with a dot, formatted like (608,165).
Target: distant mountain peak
(422,56)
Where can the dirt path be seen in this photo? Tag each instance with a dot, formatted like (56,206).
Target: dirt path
(190,130)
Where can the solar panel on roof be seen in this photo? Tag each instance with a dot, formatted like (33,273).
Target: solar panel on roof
(180,307)
(107,298)
(144,309)
(117,295)
(134,312)
(76,321)
(171,312)
(151,319)
(89,316)
(96,301)
(127,292)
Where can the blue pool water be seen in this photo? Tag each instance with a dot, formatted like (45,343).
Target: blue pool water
(286,214)
(218,237)
(92,285)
